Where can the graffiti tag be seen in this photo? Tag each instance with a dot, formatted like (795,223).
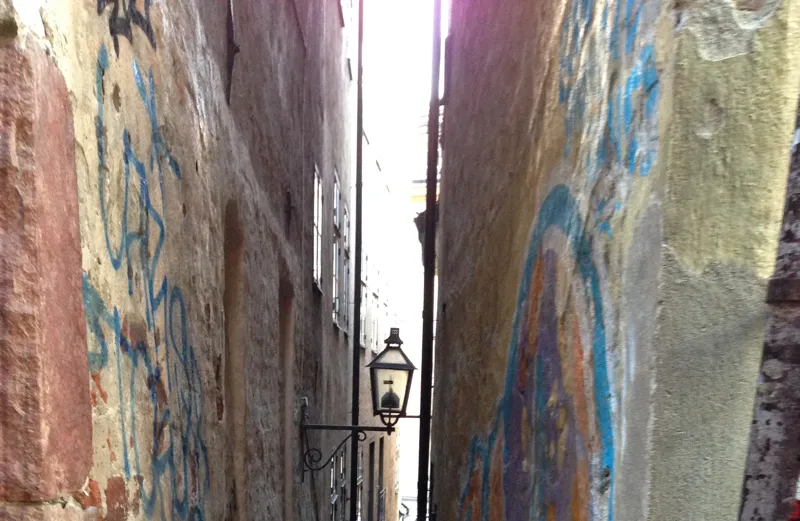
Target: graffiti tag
(157,360)
(124,16)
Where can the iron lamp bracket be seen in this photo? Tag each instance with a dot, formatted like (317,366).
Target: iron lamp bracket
(312,458)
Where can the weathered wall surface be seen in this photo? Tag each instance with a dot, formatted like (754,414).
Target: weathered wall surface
(614,175)
(185,167)
(770,485)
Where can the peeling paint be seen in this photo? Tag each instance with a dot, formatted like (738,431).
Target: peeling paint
(725,30)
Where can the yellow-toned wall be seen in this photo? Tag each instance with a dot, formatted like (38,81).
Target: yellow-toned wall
(613,180)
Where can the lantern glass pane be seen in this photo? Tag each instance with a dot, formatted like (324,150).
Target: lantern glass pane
(391,356)
(390,387)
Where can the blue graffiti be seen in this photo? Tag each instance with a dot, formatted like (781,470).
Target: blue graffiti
(480,452)
(628,141)
(616,115)
(636,96)
(573,89)
(178,457)
(559,211)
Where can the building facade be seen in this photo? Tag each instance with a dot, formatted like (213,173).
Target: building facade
(176,199)
(614,176)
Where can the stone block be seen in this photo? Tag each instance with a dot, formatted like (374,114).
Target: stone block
(45,416)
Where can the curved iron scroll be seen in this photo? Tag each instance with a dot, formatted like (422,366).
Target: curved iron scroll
(312,456)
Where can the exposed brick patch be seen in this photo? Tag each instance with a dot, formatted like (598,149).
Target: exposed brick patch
(99,389)
(116,500)
(137,495)
(45,416)
(90,497)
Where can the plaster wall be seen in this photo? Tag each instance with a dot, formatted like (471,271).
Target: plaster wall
(197,126)
(770,486)
(613,183)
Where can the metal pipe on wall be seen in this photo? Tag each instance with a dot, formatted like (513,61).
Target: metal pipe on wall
(356,338)
(429,260)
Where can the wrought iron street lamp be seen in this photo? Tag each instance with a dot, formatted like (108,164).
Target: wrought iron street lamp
(391,373)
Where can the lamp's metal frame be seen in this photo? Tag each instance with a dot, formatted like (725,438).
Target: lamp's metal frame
(311,457)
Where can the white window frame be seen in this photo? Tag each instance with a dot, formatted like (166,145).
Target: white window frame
(343,484)
(319,199)
(345,304)
(337,252)
(346,229)
(337,201)
(360,483)
(335,282)
(364,310)
(338,490)
(375,322)
(344,287)
(364,266)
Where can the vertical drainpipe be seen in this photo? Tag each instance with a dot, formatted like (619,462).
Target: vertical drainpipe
(356,338)
(429,260)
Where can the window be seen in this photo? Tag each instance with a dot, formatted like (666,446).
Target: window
(345,286)
(386,321)
(360,482)
(375,313)
(345,304)
(335,279)
(345,12)
(364,307)
(371,496)
(337,201)
(397,469)
(343,483)
(334,491)
(380,463)
(339,289)
(318,200)
(381,490)
(348,51)
(346,230)
(338,490)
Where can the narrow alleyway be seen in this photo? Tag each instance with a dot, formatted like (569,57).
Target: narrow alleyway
(236,238)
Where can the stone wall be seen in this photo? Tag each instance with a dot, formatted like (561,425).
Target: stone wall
(158,164)
(613,181)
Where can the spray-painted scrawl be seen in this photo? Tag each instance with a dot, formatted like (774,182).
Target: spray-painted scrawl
(167,459)
(610,97)
(550,453)
(124,15)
